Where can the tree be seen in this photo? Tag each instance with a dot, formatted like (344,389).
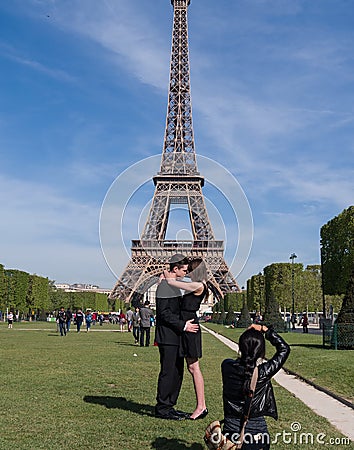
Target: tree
(277,289)
(337,252)
(346,314)
(101,302)
(17,282)
(38,294)
(54,297)
(311,289)
(345,320)
(335,300)
(3,290)
(278,284)
(222,319)
(232,302)
(256,292)
(245,318)
(215,314)
(222,314)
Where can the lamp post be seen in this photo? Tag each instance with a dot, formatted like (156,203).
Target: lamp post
(292,257)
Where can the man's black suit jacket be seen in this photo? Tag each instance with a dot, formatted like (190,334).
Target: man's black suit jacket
(169,325)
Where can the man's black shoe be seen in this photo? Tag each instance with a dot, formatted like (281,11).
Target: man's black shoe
(172,415)
(183,414)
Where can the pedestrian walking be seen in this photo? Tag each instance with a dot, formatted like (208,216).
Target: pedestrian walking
(88,319)
(129,318)
(145,324)
(122,320)
(293,320)
(68,319)
(305,322)
(136,324)
(79,318)
(61,321)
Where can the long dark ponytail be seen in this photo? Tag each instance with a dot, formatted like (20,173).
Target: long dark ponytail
(252,347)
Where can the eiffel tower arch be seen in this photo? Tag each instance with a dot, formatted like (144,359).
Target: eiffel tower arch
(178,182)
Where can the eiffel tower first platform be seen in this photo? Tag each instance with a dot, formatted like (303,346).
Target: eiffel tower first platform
(177,182)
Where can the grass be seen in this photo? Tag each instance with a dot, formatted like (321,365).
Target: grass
(331,369)
(89,390)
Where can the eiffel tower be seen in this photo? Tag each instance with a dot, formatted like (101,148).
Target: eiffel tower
(177,182)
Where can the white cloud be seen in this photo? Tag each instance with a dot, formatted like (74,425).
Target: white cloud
(121,30)
(48,233)
(13,54)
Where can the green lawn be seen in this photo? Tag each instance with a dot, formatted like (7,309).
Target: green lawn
(332,369)
(90,391)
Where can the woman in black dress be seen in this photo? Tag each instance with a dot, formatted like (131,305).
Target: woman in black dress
(195,292)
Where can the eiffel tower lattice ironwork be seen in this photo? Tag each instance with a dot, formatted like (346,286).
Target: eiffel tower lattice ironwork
(177,182)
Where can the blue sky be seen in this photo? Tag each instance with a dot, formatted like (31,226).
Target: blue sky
(83,96)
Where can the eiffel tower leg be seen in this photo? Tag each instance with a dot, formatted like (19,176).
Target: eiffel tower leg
(200,222)
(156,226)
(123,288)
(141,273)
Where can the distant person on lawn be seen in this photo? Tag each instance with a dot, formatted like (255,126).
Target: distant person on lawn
(129,317)
(122,320)
(61,321)
(68,319)
(10,319)
(136,324)
(79,319)
(145,323)
(88,319)
(305,323)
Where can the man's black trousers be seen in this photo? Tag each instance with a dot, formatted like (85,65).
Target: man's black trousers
(170,378)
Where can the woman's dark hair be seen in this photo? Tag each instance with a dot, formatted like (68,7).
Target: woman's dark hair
(178,261)
(252,347)
(197,271)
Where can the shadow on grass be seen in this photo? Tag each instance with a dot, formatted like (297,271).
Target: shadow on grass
(160,443)
(174,444)
(127,344)
(309,346)
(121,403)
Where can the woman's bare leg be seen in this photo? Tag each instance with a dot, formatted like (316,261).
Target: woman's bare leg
(198,380)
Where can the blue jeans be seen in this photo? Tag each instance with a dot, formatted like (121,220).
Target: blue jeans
(136,333)
(62,328)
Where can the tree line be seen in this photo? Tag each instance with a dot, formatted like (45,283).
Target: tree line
(310,288)
(34,295)
(267,291)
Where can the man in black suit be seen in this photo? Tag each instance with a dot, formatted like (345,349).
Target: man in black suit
(169,328)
